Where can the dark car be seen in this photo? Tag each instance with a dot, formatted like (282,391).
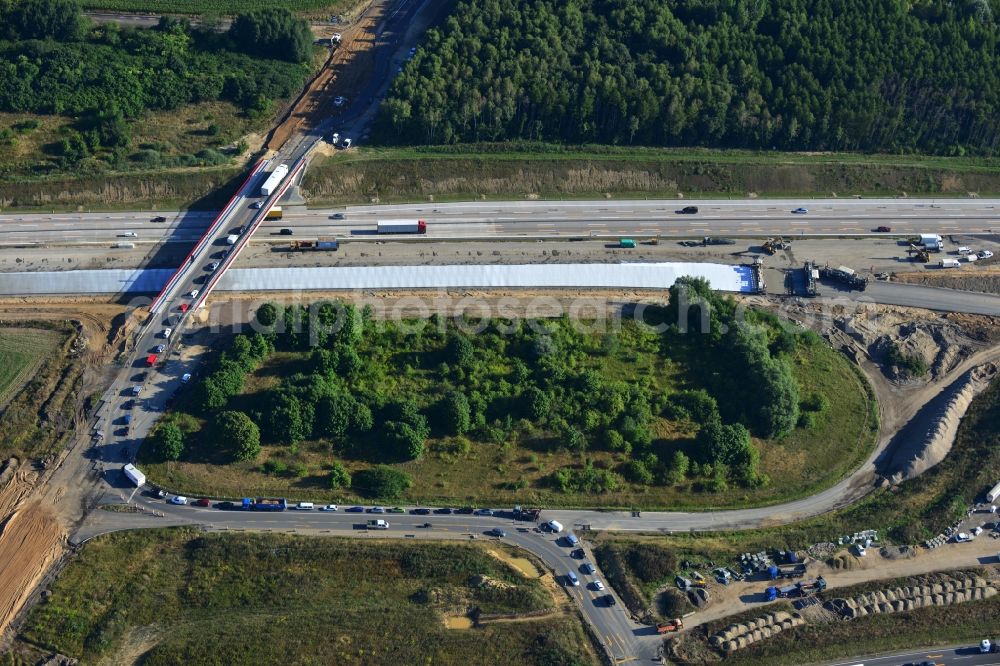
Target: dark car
(201,502)
(421,512)
(128,404)
(688,210)
(578,554)
(883,229)
(426,525)
(355,509)
(159,218)
(286,232)
(609,599)
(444,511)
(465,510)
(228,506)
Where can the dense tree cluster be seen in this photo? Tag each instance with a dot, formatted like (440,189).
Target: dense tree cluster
(379,392)
(53,62)
(273,33)
(791,74)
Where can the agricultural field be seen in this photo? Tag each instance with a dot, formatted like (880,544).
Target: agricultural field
(565,417)
(22,351)
(546,171)
(173,596)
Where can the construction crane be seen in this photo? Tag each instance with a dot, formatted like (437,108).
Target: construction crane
(918,253)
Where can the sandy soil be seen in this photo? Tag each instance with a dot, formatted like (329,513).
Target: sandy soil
(740,596)
(38,510)
(521,564)
(348,65)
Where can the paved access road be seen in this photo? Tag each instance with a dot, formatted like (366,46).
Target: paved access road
(963,655)
(625,640)
(533,218)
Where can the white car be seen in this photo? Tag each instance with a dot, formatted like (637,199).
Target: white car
(167,332)
(213,266)
(257,204)
(984,254)
(985,646)
(137,389)
(599,586)
(346,144)
(129,234)
(160,348)
(335,37)
(962,537)
(185,378)
(178,499)
(976,531)
(328,507)
(335,138)
(194,294)
(339,101)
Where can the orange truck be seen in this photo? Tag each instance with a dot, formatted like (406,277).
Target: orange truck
(669,627)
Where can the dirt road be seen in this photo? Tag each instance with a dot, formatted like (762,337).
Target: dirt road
(738,597)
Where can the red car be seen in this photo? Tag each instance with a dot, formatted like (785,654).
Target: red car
(202,502)
(883,230)
(184,307)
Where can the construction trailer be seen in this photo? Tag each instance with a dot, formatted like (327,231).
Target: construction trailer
(811,279)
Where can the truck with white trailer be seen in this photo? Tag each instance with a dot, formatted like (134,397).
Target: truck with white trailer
(401,227)
(931,241)
(994,494)
(274,180)
(134,475)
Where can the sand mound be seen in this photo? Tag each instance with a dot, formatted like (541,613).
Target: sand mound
(915,454)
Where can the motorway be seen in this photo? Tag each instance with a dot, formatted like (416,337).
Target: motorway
(624,639)
(539,218)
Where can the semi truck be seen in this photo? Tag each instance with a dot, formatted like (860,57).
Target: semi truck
(931,242)
(378,524)
(134,475)
(265,503)
(845,275)
(274,180)
(323,243)
(401,227)
(275,213)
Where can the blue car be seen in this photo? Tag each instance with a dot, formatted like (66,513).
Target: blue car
(355,509)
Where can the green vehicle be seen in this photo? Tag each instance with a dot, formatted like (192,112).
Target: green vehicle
(396,509)
(626,242)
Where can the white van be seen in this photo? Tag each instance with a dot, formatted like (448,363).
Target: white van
(555,526)
(304,506)
(964,251)
(572,579)
(948,263)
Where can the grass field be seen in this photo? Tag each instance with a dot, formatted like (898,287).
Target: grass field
(553,172)
(218,7)
(22,351)
(519,471)
(176,596)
